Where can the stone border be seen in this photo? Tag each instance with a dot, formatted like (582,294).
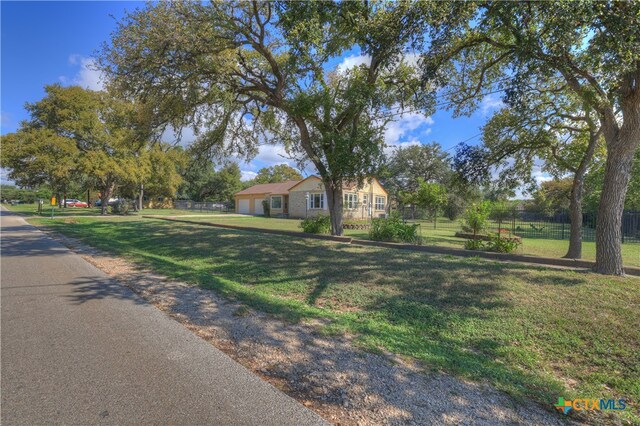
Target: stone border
(549,261)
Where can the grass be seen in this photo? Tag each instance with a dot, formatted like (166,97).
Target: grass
(439,237)
(533,332)
(32,210)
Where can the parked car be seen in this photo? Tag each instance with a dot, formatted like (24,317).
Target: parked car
(111,202)
(72,202)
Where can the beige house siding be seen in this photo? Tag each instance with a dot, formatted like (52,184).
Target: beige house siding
(298,203)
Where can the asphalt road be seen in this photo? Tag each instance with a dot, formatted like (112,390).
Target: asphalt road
(78,348)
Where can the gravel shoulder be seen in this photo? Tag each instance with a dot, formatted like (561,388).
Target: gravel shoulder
(328,374)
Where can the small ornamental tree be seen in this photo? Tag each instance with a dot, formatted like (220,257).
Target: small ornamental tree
(431,196)
(476,217)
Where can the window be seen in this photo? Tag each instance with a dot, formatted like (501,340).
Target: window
(316,201)
(380,202)
(365,199)
(350,201)
(276,202)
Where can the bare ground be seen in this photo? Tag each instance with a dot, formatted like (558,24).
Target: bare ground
(342,383)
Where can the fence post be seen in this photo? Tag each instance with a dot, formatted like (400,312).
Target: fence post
(563,229)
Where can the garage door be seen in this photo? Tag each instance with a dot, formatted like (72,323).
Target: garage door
(243,206)
(258,208)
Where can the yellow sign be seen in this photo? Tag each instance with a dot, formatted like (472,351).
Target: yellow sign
(53,201)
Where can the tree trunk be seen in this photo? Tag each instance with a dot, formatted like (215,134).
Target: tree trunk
(575,216)
(104,200)
(105,194)
(334,202)
(577,192)
(621,147)
(141,196)
(609,221)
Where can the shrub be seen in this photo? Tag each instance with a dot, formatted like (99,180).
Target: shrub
(266,208)
(474,244)
(394,229)
(501,245)
(320,224)
(120,207)
(495,243)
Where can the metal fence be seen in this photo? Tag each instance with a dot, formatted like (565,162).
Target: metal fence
(527,223)
(205,206)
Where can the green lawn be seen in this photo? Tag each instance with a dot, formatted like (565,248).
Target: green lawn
(32,210)
(531,331)
(440,237)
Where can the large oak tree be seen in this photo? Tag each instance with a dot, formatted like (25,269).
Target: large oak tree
(255,72)
(592,46)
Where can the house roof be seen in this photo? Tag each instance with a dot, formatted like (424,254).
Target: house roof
(285,187)
(269,188)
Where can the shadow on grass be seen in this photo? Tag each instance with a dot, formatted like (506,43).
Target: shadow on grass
(433,308)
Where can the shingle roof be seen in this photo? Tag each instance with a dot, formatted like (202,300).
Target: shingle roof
(269,188)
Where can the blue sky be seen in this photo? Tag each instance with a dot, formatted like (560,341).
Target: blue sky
(53,42)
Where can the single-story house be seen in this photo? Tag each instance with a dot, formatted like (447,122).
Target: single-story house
(307,198)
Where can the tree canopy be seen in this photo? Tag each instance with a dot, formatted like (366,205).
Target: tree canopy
(516,47)
(255,72)
(77,136)
(407,165)
(276,174)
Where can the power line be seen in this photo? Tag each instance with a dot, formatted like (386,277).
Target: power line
(448,103)
(461,142)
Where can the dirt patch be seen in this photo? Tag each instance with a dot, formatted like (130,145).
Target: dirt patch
(343,384)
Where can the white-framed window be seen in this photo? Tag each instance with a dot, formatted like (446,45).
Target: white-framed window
(380,203)
(316,201)
(276,202)
(365,199)
(350,201)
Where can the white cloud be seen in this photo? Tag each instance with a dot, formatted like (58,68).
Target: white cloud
(268,156)
(355,60)
(541,176)
(87,76)
(352,61)
(247,175)
(408,123)
(272,155)
(4,177)
(5,118)
(490,103)
(389,148)
(187,136)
